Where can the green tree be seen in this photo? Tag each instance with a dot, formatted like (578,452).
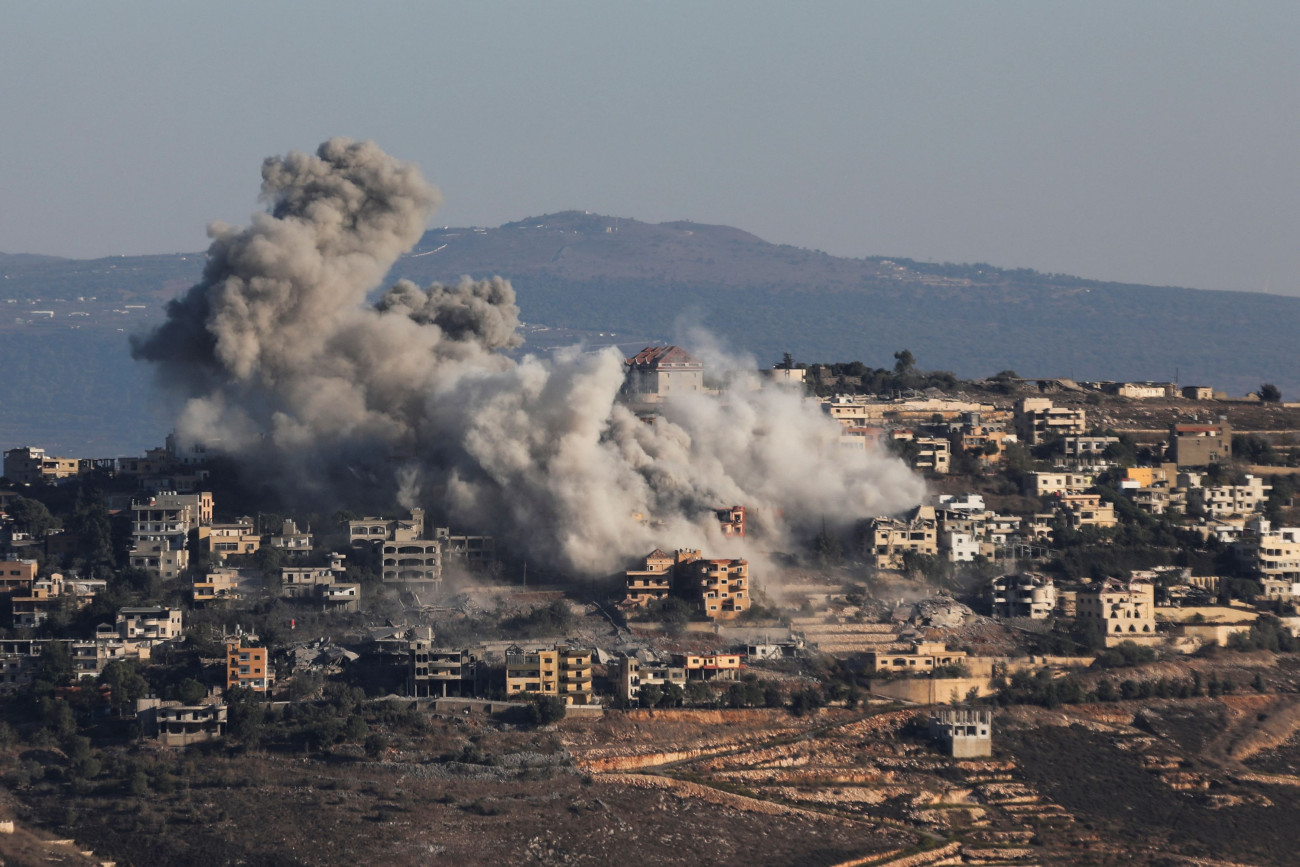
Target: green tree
(32,517)
(1270,393)
(546,709)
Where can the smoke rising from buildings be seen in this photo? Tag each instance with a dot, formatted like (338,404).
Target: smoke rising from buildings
(283,364)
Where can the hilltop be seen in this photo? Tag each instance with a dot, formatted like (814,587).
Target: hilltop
(582,276)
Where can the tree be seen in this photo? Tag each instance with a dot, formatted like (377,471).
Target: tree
(32,517)
(787,361)
(546,709)
(1270,393)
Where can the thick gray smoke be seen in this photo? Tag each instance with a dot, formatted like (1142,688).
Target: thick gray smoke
(284,364)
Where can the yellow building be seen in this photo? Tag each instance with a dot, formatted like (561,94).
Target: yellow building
(561,671)
(708,666)
(924,657)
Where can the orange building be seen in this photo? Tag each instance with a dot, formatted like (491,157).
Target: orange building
(247,667)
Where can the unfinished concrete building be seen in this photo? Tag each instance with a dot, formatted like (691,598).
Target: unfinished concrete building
(963,733)
(1024,594)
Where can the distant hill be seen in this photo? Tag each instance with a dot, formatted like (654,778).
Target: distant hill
(586,272)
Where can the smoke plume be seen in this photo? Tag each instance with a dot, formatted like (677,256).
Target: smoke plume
(283,364)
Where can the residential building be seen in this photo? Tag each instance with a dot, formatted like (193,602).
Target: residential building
(1024,594)
(721,586)
(1192,445)
(160,529)
(224,540)
(31,466)
(634,674)
(964,733)
(247,666)
(1124,611)
(732,521)
(1049,484)
(1275,553)
(220,584)
(173,724)
(476,551)
(659,372)
(413,561)
(16,576)
(290,539)
(972,504)
(709,666)
(1085,451)
(149,624)
(438,671)
(893,537)
(1142,390)
(1038,421)
(560,671)
(923,657)
(1198,392)
(651,583)
(300,582)
(1086,510)
(1221,501)
(376,530)
(961,547)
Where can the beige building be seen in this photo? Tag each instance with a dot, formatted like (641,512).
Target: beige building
(709,666)
(659,372)
(561,671)
(31,466)
(413,561)
(923,657)
(1222,501)
(633,674)
(652,582)
(376,530)
(1025,594)
(1086,510)
(1037,421)
(721,586)
(160,529)
(438,671)
(1048,484)
(1124,610)
(1192,445)
(892,537)
(224,540)
(149,624)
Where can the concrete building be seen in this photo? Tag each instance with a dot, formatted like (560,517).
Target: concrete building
(1086,451)
(721,586)
(1198,392)
(291,539)
(634,674)
(1125,611)
(17,576)
(160,528)
(923,658)
(247,666)
(1038,421)
(149,624)
(173,724)
(660,372)
(301,582)
(1049,484)
(709,666)
(892,537)
(652,582)
(1274,552)
(1192,445)
(562,671)
(1222,501)
(373,531)
(413,561)
(1086,510)
(435,671)
(224,540)
(1024,594)
(964,733)
(31,466)
(476,551)
(732,521)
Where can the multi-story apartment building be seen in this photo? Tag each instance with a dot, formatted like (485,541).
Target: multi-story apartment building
(721,586)
(149,624)
(224,540)
(1125,611)
(1038,421)
(31,466)
(654,581)
(561,671)
(1221,501)
(435,671)
(1025,594)
(160,528)
(924,656)
(247,666)
(709,666)
(634,674)
(1086,510)
(1047,484)
(1192,445)
(377,530)
(413,561)
(892,537)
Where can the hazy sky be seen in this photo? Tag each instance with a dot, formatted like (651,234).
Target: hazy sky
(1137,141)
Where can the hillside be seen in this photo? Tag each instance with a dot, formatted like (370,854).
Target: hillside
(65,322)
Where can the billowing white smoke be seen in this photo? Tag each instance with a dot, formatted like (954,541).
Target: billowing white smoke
(285,365)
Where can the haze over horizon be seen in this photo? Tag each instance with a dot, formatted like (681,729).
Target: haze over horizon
(1144,143)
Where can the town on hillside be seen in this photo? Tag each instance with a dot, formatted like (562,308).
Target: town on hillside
(1123,556)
